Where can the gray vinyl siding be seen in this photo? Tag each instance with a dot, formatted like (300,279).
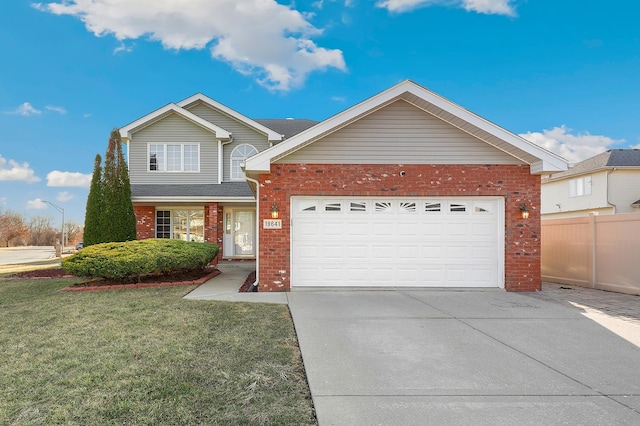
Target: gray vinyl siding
(173,129)
(400,133)
(242,134)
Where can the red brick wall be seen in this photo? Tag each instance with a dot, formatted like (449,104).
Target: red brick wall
(145,222)
(213,226)
(514,183)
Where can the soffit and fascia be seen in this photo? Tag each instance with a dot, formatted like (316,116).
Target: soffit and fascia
(540,160)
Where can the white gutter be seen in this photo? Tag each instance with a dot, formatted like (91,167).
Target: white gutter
(255,283)
(221,145)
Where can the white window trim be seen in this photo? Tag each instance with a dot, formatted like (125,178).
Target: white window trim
(231,177)
(580,186)
(172,212)
(182,170)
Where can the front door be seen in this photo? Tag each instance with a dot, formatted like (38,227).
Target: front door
(239,233)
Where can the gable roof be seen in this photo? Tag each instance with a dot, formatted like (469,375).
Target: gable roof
(126,131)
(539,159)
(612,158)
(272,135)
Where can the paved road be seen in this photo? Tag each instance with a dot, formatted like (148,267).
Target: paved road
(19,255)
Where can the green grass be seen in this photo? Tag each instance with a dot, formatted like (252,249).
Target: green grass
(145,356)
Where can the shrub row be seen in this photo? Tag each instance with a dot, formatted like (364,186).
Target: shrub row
(135,258)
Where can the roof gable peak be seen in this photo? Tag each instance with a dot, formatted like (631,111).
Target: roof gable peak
(126,131)
(539,159)
(272,135)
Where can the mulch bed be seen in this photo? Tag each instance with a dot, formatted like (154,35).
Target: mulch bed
(176,279)
(248,287)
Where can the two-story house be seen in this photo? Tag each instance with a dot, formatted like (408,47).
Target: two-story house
(403,189)
(608,183)
(185,165)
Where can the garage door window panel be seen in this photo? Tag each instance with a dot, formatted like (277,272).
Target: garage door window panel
(358,207)
(333,207)
(457,208)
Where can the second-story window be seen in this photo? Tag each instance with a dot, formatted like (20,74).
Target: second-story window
(238,155)
(174,157)
(580,186)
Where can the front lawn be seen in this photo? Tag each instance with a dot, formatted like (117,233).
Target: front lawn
(145,356)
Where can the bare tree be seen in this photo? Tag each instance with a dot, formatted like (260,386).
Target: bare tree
(12,228)
(73,232)
(42,231)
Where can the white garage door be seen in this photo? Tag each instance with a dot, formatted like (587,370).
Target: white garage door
(397,241)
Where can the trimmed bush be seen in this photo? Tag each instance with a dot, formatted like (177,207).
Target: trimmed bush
(140,257)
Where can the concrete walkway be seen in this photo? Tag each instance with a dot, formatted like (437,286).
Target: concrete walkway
(460,357)
(225,286)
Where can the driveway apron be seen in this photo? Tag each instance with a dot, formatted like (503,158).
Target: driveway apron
(472,357)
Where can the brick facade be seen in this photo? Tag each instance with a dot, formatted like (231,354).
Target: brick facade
(145,222)
(146,216)
(513,182)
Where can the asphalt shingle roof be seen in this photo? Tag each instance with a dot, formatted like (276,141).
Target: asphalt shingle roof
(287,126)
(608,159)
(624,158)
(223,190)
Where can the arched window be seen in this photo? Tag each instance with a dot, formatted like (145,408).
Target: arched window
(238,155)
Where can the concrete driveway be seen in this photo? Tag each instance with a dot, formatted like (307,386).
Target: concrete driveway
(446,357)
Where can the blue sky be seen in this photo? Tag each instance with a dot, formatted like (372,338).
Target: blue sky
(565,74)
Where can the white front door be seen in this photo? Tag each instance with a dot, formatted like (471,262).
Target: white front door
(239,232)
(397,241)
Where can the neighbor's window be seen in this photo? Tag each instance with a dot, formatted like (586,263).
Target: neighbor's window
(174,157)
(580,186)
(186,225)
(238,155)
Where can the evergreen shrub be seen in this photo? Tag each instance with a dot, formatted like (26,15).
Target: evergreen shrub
(139,257)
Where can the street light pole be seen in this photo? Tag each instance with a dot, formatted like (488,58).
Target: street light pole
(61,210)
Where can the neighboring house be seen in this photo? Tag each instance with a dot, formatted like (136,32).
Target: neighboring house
(403,189)
(608,183)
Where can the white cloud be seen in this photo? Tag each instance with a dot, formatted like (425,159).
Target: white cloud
(573,147)
(64,196)
(12,170)
(36,204)
(58,109)
(122,48)
(261,38)
(489,7)
(25,110)
(75,179)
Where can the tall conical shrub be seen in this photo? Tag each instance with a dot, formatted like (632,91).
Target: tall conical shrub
(93,224)
(118,209)
(109,216)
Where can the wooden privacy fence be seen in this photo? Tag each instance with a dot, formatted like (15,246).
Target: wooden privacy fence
(600,252)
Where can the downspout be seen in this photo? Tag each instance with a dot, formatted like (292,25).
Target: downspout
(221,157)
(255,283)
(609,202)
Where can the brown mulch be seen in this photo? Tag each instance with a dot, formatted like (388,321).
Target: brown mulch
(247,287)
(42,273)
(192,277)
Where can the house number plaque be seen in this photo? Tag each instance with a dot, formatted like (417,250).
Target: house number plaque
(272,224)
